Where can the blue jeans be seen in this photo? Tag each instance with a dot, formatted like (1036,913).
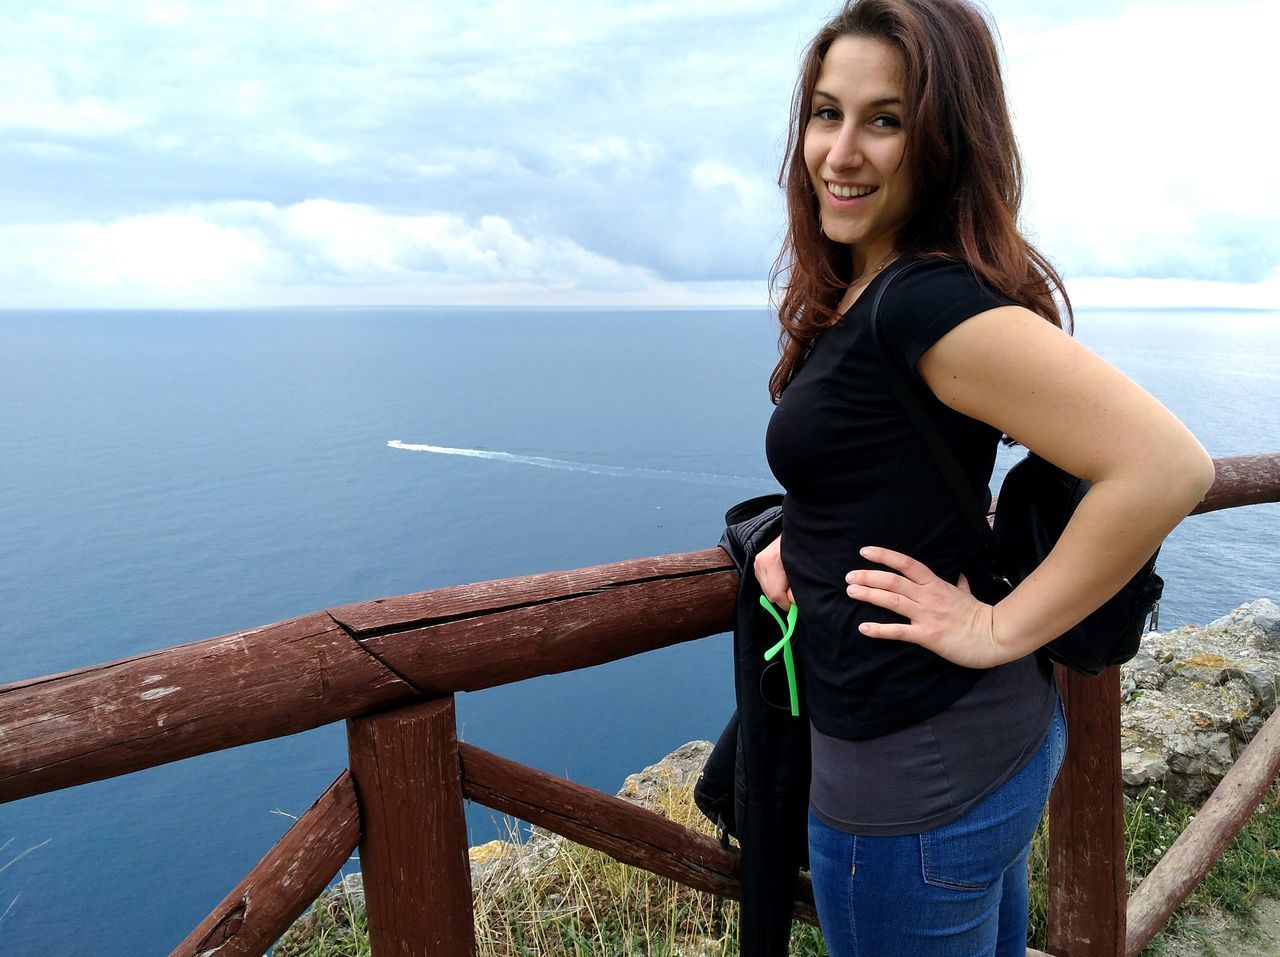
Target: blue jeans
(957,891)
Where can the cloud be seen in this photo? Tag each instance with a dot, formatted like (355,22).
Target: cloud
(513,149)
(229,252)
(1148,141)
(350,243)
(162,253)
(1143,293)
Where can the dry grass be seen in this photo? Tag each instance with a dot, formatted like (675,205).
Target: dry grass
(581,902)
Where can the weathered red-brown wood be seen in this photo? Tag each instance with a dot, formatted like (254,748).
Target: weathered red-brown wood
(283,885)
(1239,480)
(413,849)
(401,612)
(625,831)
(126,715)
(516,643)
(1242,480)
(1087,886)
(1198,848)
(110,719)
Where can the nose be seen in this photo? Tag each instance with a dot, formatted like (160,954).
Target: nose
(846,151)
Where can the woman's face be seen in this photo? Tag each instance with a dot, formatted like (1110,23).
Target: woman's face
(854,147)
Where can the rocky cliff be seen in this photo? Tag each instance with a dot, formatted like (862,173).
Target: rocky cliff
(1194,697)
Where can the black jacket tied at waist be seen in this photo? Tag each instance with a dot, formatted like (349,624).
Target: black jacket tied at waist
(756,782)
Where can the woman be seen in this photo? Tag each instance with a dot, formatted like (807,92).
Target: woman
(937,733)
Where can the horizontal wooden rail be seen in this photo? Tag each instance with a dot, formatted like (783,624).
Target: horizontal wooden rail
(285,883)
(492,633)
(1242,480)
(1198,848)
(621,829)
(111,719)
(625,831)
(279,679)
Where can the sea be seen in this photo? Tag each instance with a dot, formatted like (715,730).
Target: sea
(171,476)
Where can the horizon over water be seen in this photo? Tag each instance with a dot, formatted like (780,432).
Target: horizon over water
(167,476)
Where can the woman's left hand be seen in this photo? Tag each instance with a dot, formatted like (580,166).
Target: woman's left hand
(942,617)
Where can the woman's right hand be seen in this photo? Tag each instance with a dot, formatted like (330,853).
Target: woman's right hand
(772,576)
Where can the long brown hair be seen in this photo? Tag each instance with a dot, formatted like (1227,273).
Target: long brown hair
(962,158)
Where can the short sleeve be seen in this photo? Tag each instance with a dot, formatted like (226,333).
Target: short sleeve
(927,302)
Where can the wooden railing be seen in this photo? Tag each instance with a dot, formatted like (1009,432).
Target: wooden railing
(390,668)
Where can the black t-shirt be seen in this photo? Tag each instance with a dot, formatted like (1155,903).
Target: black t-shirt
(856,473)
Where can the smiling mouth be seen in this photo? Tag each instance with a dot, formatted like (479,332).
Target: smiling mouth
(850,192)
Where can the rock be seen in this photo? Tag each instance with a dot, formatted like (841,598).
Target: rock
(1263,614)
(1140,765)
(350,889)
(492,858)
(682,766)
(1194,697)
(499,861)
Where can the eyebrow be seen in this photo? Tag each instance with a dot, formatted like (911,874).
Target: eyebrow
(874,104)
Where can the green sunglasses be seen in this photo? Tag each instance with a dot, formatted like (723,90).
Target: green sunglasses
(788,658)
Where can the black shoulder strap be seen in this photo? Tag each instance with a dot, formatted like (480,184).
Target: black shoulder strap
(973,510)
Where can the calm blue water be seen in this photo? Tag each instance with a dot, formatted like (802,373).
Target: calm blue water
(166,477)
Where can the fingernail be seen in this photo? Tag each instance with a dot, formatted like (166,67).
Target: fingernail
(863,551)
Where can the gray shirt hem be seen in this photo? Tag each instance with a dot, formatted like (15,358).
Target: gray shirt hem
(932,773)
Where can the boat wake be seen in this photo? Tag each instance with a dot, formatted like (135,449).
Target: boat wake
(703,478)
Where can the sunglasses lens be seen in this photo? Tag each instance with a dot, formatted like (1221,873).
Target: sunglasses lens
(773,686)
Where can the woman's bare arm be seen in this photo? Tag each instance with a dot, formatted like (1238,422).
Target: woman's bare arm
(1011,369)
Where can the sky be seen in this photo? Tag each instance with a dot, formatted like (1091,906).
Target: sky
(578,152)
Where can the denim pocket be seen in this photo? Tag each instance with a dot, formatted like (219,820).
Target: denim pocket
(974,852)
(959,862)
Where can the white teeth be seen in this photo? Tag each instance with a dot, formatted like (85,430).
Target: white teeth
(846,192)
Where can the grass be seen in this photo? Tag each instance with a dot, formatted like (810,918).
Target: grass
(1248,869)
(581,903)
(334,927)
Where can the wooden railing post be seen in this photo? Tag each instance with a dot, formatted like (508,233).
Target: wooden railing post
(413,845)
(1087,889)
